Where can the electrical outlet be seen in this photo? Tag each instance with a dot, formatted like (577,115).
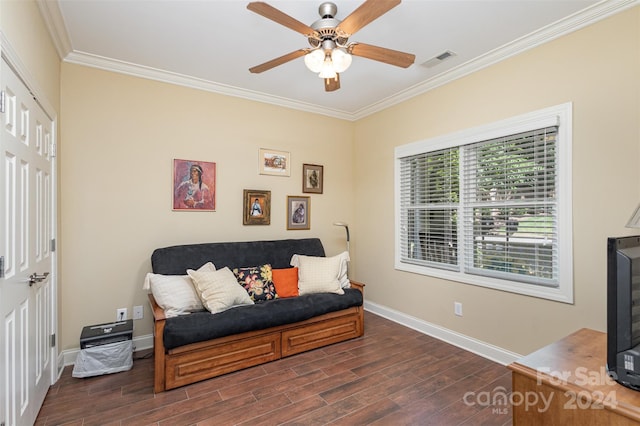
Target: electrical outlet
(138,312)
(121,314)
(457,308)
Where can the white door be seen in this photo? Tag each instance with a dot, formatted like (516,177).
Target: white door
(26,231)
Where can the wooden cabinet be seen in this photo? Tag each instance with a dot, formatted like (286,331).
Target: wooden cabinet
(567,383)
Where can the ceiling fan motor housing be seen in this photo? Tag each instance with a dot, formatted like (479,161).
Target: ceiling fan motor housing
(328,10)
(326,28)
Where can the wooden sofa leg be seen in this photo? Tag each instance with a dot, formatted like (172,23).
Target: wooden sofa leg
(159,357)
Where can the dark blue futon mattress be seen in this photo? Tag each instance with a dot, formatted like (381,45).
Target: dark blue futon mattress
(202,326)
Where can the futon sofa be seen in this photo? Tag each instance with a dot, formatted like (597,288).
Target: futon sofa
(195,346)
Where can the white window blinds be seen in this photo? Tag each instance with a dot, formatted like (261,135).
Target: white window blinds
(491,205)
(507,202)
(429,201)
(510,207)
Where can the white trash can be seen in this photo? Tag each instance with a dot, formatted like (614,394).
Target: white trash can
(104,359)
(104,349)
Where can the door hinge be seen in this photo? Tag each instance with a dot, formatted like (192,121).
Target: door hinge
(53,340)
(2,95)
(1,270)
(53,244)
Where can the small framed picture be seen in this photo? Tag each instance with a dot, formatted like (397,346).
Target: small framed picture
(257,207)
(298,214)
(194,185)
(312,178)
(275,163)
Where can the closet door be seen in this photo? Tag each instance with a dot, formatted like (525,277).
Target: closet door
(26,231)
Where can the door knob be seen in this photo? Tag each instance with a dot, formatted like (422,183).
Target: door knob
(35,278)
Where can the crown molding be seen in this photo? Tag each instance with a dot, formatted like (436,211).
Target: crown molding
(572,23)
(55,23)
(136,70)
(53,20)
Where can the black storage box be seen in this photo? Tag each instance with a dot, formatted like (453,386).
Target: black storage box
(102,334)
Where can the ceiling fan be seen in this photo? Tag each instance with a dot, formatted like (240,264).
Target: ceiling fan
(330,51)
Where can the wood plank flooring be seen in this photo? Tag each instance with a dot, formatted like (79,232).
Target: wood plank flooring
(391,376)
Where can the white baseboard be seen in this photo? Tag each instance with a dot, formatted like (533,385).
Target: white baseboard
(486,350)
(59,365)
(470,344)
(139,343)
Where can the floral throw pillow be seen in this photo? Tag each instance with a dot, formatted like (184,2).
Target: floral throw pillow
(257,281)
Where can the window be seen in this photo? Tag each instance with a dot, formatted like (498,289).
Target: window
(490,206)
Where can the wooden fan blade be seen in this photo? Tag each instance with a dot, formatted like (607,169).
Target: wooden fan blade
(363,15)
(278,61)
(281,18)
(388,56)
(332,84)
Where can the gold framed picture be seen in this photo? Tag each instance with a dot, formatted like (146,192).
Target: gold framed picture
(274,163)
(312,178)
(298,212)
(257,207)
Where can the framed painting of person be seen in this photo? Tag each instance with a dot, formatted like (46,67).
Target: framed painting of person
(312,178)
(256,207)
(194,185)
(298,214)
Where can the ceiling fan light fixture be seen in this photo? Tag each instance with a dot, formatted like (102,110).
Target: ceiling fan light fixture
(314,60)
(341,60)
(327,70)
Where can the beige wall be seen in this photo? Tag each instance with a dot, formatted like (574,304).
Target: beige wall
(596,68)
(24,28)
(119,135)
(119,140)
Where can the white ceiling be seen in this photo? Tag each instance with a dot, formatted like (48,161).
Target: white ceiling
(211,44)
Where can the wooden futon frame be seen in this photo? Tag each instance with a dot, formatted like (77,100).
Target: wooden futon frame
(204,360)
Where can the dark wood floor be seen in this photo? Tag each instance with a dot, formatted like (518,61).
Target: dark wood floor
(391,376)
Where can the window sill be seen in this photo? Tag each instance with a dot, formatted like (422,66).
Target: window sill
(563,293)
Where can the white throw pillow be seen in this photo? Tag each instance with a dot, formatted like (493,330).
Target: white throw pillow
(342,273)
(175,294)
(219,290)
(319,274)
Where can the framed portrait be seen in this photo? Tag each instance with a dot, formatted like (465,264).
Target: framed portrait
(298,212)
(257,207)
(275,163)
(194,185)
(312,178)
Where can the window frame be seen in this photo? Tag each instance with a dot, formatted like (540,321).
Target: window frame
(560,116)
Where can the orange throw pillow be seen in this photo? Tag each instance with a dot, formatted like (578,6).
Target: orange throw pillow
(286,281)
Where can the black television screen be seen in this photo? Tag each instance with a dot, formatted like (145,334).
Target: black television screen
(623,310)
